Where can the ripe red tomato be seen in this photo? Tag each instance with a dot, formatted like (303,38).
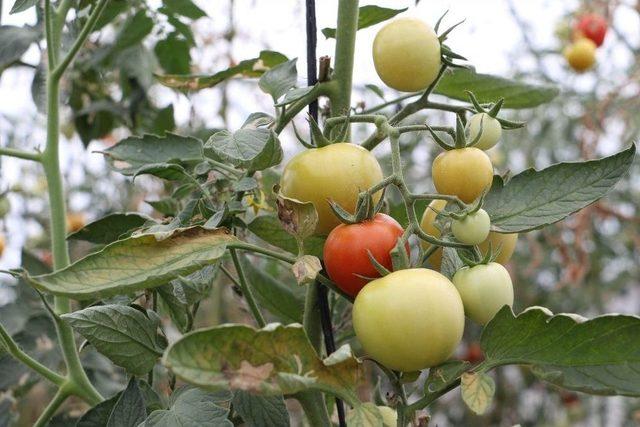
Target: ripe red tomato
(591,26)
(346,250)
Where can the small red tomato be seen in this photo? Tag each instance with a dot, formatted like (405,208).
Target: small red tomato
(346,251)
(591,26)
(474,353)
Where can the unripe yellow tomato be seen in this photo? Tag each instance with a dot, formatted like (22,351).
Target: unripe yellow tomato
(484,290)
(505,242)
(337,172)
(491,130)
(410,319)
(463,172)
(406,54)
(581,54)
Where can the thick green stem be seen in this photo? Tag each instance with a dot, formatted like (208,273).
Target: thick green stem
(314,408)
(345,48)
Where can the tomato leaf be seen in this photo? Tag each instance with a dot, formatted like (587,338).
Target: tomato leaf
(283,301)
(22,5)
(124,334)
(455,84)
(191,407)
(261,410)
(533,199)
(133,153)
(254,149)
(111,228)
(14,42)
(477,391)
(274,360)
(136,263)
(597,356)
(254,67)
(279,79)
(442,375)
(185,8)
(269,229)
(368,16)
(129,409)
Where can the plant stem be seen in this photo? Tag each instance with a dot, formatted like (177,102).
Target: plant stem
(25,155)
(13,349)
(345,48)
(48,413)
(246,290)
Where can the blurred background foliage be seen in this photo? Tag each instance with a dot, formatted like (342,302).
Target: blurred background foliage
(587,264)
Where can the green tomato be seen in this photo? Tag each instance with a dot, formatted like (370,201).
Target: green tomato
(409,320)
(472,229)
(491,130)
(484,290)
(336,172)
(406,54)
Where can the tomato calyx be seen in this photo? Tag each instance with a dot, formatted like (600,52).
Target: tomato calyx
(446,53)
(366,208)
(492,110)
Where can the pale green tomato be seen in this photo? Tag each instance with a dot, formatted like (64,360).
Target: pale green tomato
(484,290)
(491,130)
(472,229)
(336,172)
(409,320)
(406,54)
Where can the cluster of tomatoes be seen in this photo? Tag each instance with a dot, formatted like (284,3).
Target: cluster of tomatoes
(587,35)
(413,318)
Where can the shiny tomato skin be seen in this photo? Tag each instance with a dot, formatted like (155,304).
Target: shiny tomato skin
(347,246)
(406,54)
(336,172)
(409,320)
(463,172)
(484,290)
(592,26)
(491,130)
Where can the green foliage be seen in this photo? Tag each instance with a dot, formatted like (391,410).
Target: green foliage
(594,356)
(126,335)
(488,89)
(272,361)
(135,263)
(534,199)
(368,16)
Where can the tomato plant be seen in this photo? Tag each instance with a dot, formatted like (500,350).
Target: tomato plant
(406,54)
(484,290)
(409,320)
(349,247)
(234,277)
